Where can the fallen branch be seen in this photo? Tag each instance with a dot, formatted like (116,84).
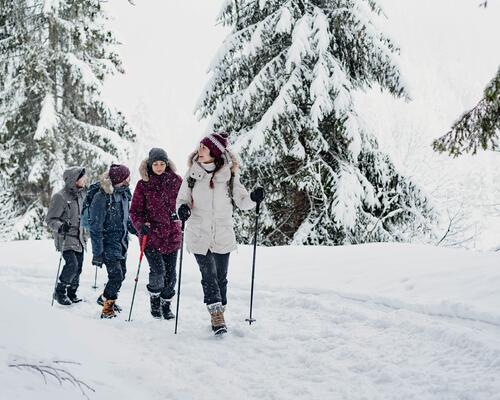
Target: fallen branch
(59,374)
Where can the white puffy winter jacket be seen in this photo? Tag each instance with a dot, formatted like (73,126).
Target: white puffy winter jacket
(210,226)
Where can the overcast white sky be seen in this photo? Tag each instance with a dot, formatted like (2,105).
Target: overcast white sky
(167,48)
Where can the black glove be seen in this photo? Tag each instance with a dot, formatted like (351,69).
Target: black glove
(64,228)
(97,261)
(145,230)
(257,195)
(131,228)
(184,212)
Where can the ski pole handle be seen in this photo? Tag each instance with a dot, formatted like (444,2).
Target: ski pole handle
(143,246)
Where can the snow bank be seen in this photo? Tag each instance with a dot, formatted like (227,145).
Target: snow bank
(427,279)
(357,322)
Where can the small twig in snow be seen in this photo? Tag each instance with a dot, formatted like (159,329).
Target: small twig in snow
(59,374)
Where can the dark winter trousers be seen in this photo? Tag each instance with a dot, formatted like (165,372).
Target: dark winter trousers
(213,268)
(162,274)
(116,274)
(70,275)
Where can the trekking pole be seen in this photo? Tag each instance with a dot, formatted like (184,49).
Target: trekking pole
(180,275)
(143,246)
(95,279)
(250,319)
(59,267)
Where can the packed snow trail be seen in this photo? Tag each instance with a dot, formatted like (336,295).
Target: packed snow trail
(309,342)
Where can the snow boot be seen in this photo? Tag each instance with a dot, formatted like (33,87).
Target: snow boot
(72,295)
(165,308)
(216,311)
(108,309)
(60,294)
(101,300)
(155,301)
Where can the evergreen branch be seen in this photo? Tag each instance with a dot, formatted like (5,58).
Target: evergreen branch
(27,103)
(254,25)
(240,11)
(251,89)
(98,151)
(477,128)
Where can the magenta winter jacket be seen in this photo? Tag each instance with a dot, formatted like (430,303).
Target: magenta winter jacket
(154,202)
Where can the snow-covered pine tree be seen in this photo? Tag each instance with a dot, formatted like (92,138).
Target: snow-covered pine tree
(282,85)
(478,128)
(54,57)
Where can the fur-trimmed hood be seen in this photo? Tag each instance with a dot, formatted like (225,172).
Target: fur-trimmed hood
(230,159)
(106,184)
(143,169)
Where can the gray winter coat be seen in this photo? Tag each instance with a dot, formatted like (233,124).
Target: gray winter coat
(66,205)
(210,226)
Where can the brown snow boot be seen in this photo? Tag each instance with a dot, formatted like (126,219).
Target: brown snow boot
(216,311)
(101,300)
(108,309)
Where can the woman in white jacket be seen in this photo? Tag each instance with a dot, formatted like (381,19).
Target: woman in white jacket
(207,195)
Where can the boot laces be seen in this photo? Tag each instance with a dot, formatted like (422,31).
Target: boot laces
(218,318)
(108,308)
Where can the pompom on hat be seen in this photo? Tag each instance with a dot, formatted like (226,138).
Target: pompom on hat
(217,143)
(118,173)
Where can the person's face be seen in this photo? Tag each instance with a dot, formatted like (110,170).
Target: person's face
(204,154)
(126,182)
(80,183)
(159,167)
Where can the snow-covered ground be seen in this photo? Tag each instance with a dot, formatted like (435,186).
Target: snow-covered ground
(379,321)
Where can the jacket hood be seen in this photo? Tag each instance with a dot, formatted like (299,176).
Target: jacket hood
(71,175)
(143,169)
